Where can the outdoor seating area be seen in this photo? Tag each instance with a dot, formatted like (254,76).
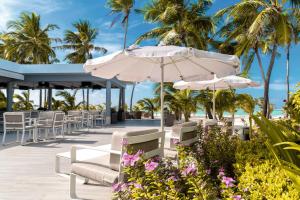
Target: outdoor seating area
(46,125)
(152,99)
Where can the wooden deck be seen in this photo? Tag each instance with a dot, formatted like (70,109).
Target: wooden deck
(28,172)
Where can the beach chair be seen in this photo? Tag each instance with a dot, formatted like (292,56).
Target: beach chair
(185,134)
(45,122)
(108,169)
(15,121)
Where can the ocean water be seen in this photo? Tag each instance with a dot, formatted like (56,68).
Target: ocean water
(275,113)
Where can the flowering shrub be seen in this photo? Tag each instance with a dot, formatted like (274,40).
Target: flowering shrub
(220,166)
(158,178)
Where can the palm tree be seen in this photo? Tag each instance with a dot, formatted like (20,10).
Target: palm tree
(148,105)
(181,22)
(247,103)
(261,27)
(204,99)
(80,42)
(23,101)
(27,41)
(68,100)
(226,101)
(123,7)
(2,101)
(57,104)
(179,101)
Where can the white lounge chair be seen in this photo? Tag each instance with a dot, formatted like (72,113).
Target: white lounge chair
(185,133)
(108,169)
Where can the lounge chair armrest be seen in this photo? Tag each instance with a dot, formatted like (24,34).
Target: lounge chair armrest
(75,147)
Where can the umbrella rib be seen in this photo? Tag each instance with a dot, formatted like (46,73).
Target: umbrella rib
(198,65)
(174,63)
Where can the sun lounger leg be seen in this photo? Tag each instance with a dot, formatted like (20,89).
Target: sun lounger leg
(4,135)
(73,186)
(23,137)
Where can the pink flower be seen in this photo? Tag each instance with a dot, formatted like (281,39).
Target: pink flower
(124,142)
(228,181)
(216,161)
(150,166)
(173,178)
(130,160)
(117,187)
(175,141)
(237,197)
(190,169)
(208,171)
(137,185)
(221,172)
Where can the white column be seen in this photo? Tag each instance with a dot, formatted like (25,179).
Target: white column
(108,102)
(9,96)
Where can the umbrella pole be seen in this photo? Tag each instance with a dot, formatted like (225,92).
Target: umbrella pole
(214,103)
(162,101)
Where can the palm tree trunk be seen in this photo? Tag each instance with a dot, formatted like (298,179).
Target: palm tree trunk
(126,29)
(260,65)
(267,82)
(250,123)
(131,98)
(288,73)
(152,114)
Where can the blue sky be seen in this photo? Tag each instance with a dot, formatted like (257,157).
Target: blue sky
(64,13)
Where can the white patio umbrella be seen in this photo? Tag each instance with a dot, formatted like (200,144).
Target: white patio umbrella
(217,83)
(162,64)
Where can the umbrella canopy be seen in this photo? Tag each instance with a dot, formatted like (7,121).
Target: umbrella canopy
(162,64)
(217,83)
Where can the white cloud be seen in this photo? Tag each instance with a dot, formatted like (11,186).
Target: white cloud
(10,9)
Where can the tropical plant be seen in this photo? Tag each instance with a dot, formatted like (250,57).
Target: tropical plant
(226,101)
(292,107)
(181,22)
(80,42)
(179,101)
(2,101)
(57,104)
(69,100)
(27,41)
(247,103)
(148,105)
(282,144)
(23,101)
(258,27)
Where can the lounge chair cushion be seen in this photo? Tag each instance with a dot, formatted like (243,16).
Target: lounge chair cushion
(95,172)
(210,122)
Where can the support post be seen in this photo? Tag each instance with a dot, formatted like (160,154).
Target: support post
(49,99)
(120,99)
(88,99)
(41,98)
(108,102)
(123,98)
(9,96)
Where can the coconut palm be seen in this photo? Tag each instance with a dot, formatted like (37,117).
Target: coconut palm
(69,100)
(27,42)
(148,105)
(2,101)
(181,22)
(80,42)
(123,8)
(57,104)
(23,101)
(204,99)
(247,103)
(261,27)
(226,101)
